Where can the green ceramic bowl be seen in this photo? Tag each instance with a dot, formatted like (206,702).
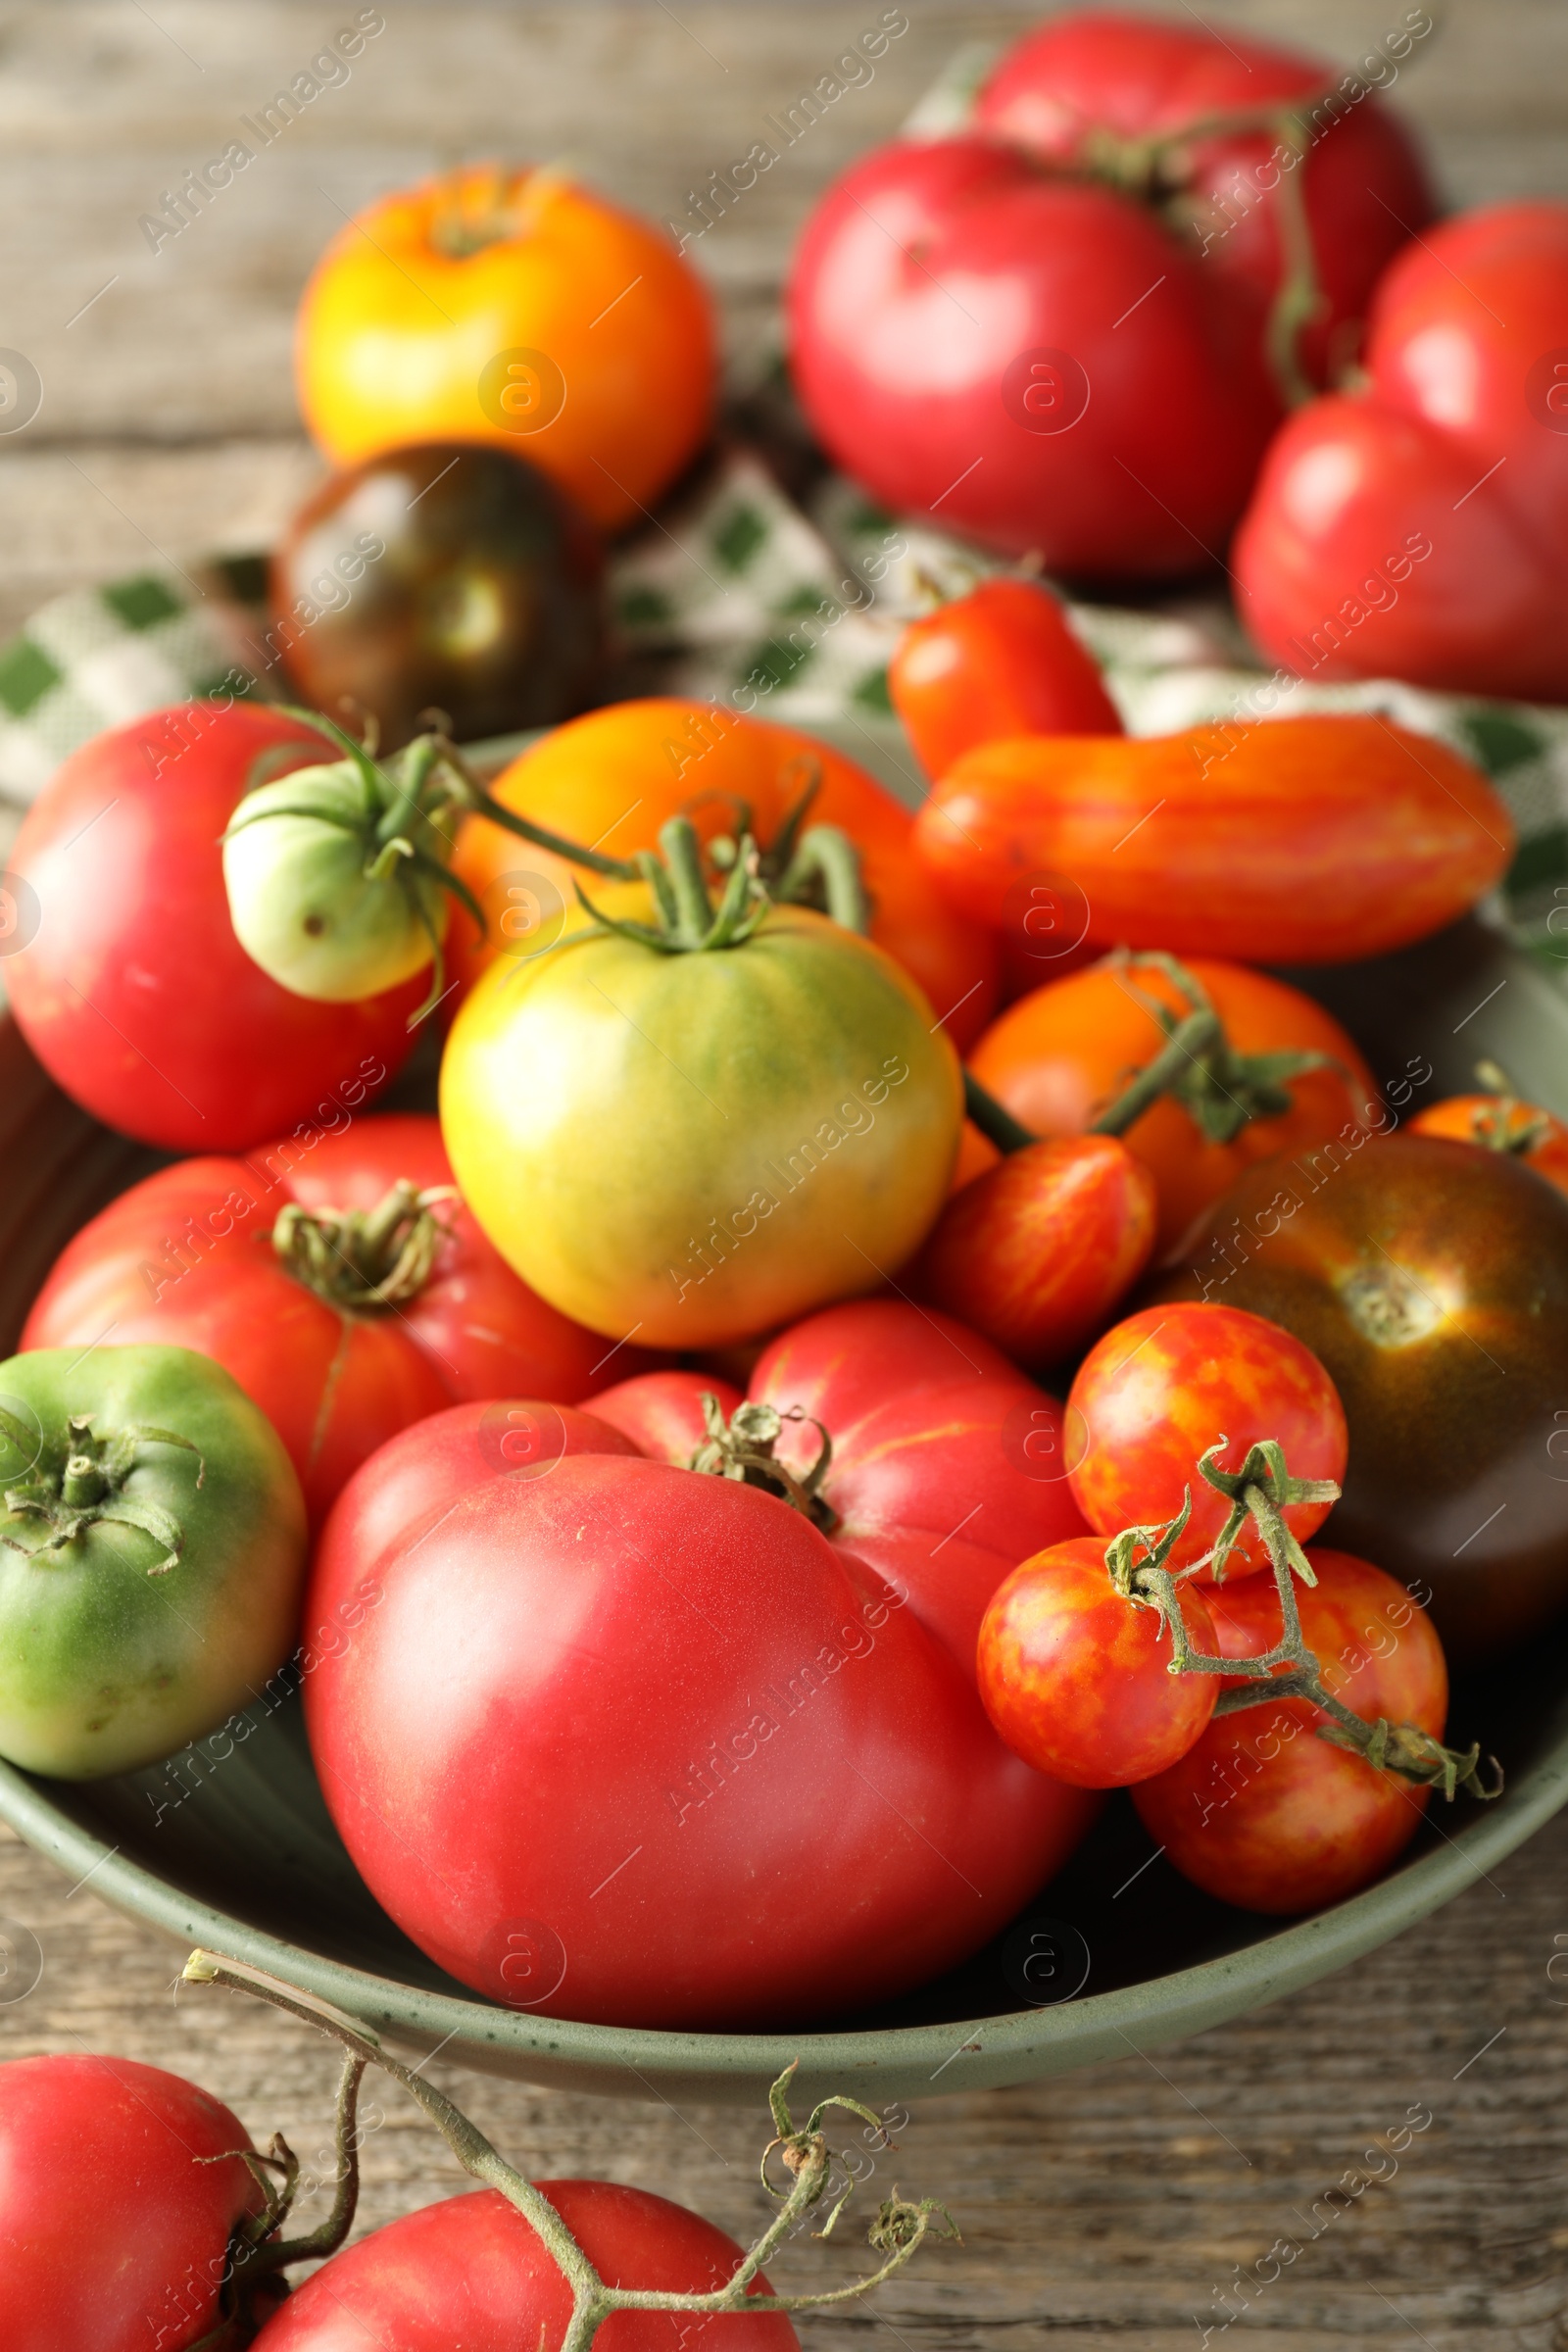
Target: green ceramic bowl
(1118,1953)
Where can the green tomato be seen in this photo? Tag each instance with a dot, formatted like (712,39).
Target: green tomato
(152,1555)
(691,1148)
(317,901)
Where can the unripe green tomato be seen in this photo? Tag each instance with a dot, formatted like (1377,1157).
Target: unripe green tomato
(113,1652)
(695,1148)
(304,901)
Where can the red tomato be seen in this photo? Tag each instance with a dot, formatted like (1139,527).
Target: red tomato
(1498,1124)
(1037,1252)
(468,2275)
(133,991)
(1417,527)
(114,2218)
(1091,87)
(1170,1381)
(186,1258)
(1263,1813)
(1062,1055)
(1002,661)
(794,1803)
(1076,1677)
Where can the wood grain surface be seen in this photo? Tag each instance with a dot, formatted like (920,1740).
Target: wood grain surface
(1118,2204)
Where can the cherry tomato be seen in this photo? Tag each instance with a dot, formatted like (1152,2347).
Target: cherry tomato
(795,1802)
(1523,1131)
(1315,840)
(440,576)
(121,2185)
(1059,1058)
(1002,661)
(1037,1252)
(133,991)
(1432,1281)
(1263,1813)
(1076,1677)
(1170,1381)
(612,777)
(469,2272)
(188,1258)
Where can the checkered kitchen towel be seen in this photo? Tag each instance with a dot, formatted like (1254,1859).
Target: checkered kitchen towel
(737,585)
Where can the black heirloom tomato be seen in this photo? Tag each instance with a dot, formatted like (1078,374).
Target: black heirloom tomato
(440,576)
(1432,1281)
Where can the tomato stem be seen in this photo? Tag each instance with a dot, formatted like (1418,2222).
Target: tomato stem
(901,2227)
(77,1478)
(742,1448)
(365,1260)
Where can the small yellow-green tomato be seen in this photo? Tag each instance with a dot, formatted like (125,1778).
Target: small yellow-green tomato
(312,899)
(693,1148)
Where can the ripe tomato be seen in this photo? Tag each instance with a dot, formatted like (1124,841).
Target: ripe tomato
(1002,661)
(190,1258)
(1038,1251)
(1263,1813)
(794,1803)
(689,1148)
(1315,840)
(133,992)
(469,2272)
(1076,1677)
(946,1463)
(1182,113)
(152,1553)
(1168,1383)
(122,2184)
(1059,1058)
(612,777)
(1432,1281)
(1498,1122)
(1415,528)
(487,305)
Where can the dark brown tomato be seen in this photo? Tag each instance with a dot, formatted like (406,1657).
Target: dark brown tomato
(1431,1280)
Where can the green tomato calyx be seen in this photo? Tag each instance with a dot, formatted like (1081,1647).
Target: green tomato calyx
(78,1479)
(802,865)
(366,1260)
(339,875)
(742,1448)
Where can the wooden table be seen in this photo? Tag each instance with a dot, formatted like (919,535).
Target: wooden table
(1116,2204)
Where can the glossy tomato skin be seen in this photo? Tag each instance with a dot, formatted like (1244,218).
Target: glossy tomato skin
(113,2226)
(1431,1280)
(1002,661)
(1075,1677)
(1313,840)
(973,336)
(476,593)
(1168,1383)
(476,307)
(1062,1055)
(687,1150)
(469,2272)
(1037,1252)
(1415,528)
(1086,74)
(186,1257)
(1263,1813)
(1473,1118)
(135,994)
(774,1741)
(616,775)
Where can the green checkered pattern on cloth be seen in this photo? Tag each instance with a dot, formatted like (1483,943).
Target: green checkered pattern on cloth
(737,594)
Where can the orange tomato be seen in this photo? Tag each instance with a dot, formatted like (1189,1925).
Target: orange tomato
(1313,840)
(1499,1123)
(511,306)
(612,777)
(976,1154)
(1059,1058)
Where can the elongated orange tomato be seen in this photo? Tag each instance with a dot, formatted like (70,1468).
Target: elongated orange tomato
(612,777)
(1314,840)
